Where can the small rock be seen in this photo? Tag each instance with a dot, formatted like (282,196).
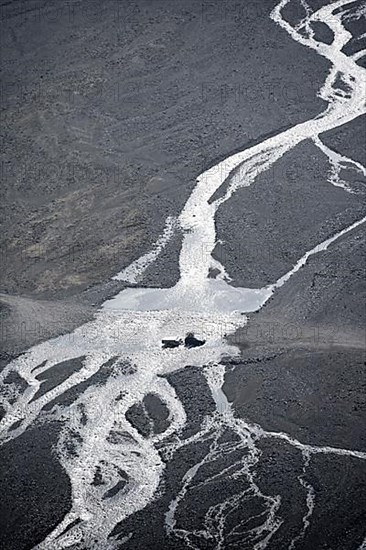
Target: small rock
(191,342)
(171,343)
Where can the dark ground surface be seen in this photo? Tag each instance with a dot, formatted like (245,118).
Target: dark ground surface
(267,227)
(108,116)
(101,143)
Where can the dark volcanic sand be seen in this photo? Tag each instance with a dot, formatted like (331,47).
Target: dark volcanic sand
(102,143)
(302,371)
(267,227)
